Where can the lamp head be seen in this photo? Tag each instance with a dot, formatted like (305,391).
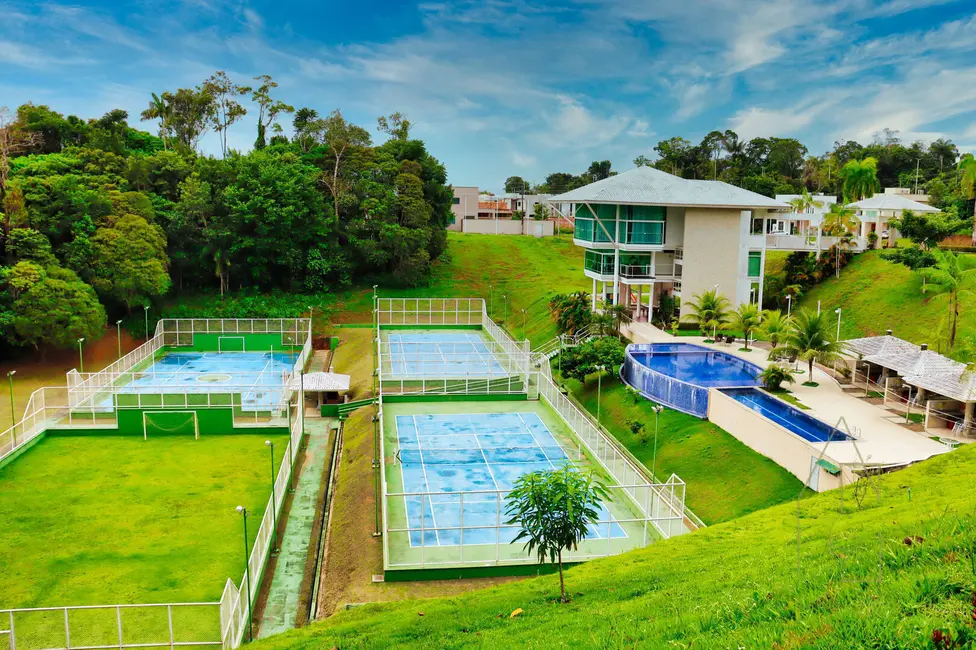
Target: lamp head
(81,340)
(11,373)
(118,322)
(240,509)
(268,443)
(837,311)
(146,308)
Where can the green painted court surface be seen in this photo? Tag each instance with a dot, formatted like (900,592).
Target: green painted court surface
(403,554)
(114,519)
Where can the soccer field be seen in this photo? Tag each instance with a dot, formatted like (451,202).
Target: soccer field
(114,519)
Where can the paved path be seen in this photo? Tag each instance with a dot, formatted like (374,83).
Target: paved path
(282,606)
(882,439)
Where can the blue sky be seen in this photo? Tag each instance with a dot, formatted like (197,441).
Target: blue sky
(517,87)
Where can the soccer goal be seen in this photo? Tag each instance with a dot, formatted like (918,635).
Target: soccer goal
(170,423)
(230,344)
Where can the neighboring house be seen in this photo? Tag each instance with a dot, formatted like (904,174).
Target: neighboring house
(875,212)
(804,223)
(908,194)
(646,232)
(494,209)
(464,206)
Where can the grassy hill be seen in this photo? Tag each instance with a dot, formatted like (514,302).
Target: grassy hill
(885,566)
(527,270)
(875,295)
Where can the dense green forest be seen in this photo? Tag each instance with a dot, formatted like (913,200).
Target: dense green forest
(100,218)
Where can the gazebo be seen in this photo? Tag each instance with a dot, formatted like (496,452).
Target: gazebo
(940,387)
(329,387)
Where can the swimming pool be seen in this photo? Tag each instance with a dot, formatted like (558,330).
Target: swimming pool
(481,455)
(257,376)
(679,375)
(807,427)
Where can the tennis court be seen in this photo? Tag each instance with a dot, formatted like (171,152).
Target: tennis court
(471,452)
(257,376)
(440,354)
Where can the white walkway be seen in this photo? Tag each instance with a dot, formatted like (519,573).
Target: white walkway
(881,439)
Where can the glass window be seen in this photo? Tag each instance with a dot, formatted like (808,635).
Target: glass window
(598,262)
(644,232)
(755,264)
(457,200)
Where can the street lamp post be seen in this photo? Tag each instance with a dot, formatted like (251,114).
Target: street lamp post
(81,357)
(837,311)
(789,305)
(311,316)
(867,377)
(523,324)
(13,416)
(490,300)
(274,502)
(118,336)
(505,298)
(657,413)
(818,308)
(599,390)
(247,573)
(145,309)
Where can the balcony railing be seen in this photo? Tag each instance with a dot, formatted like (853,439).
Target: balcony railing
(637,271)
(809,243)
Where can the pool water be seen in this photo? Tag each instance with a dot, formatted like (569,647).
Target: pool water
(787,416)
(699,366)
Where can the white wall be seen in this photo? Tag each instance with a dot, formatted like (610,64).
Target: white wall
(528,227)
(674,229)
(783,447)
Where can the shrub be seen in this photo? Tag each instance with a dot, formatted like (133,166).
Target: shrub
(775,375)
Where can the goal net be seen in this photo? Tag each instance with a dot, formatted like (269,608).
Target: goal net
(230,344)
(170,423)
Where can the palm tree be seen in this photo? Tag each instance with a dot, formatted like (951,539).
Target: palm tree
(747,318)
(158,110)
(860,179)
(804,202)
(950,276)
(967,182)
(710,310)
(839,222)
(570,311)
(809,340)
(775,326)
(613,317)
(775,375)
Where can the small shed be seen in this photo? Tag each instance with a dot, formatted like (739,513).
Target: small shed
(329,387)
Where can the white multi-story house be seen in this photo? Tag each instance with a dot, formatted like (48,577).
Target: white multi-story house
(646,231)
(875,212)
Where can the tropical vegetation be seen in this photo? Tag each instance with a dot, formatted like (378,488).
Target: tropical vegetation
(775,375)
(747,319)
(951,275)
(709,310)
(809,340)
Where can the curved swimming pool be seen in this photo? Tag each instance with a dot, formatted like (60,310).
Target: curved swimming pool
(679,375)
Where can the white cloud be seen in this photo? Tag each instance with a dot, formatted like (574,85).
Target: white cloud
(523,160)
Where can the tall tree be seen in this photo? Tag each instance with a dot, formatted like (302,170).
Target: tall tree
(341,137)
(268,107)
(184,116)
(599,169)
(967,183)
(951,275)
(805,202)
(515,185)
(642,161)
(227,110)
(57,310)
(860,179)
(130,263)
(709,310)
(160,110)
(395,125)
(13,141)
(808,340)
(306,124)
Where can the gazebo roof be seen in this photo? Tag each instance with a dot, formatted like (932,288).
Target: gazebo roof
(917,366)
(891,202)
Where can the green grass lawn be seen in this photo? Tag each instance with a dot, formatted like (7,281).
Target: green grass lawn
(527,270)
(725,478)
(91,520)
(878,568)
(875,295)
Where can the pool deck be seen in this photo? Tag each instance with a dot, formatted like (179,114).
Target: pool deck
(882,437)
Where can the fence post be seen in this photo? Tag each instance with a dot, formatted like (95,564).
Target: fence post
(67,629)
(118,618)
(169,615)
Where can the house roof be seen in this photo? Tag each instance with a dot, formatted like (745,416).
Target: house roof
(891,202)
(922,368)
(649,186)
(325,381)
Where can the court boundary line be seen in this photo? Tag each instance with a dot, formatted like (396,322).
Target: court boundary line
(423,464)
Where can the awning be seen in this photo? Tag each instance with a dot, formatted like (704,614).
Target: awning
(829,466)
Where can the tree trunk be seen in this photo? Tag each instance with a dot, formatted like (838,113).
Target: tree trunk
(954,301)
(562,583)
(810,371)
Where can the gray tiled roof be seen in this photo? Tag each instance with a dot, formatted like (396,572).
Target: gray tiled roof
(320,381)
(649,186)
(922,368)
(891,202)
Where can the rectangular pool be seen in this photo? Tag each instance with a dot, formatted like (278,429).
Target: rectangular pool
(806,426)
(470,453)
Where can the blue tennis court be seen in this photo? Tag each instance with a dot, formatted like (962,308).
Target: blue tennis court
(463,453)
(257,376)
(441,355)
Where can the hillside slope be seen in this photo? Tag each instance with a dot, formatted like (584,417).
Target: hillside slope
(826,573)
(875,295)
(527,270)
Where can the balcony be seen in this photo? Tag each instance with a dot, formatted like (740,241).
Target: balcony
(775,241)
